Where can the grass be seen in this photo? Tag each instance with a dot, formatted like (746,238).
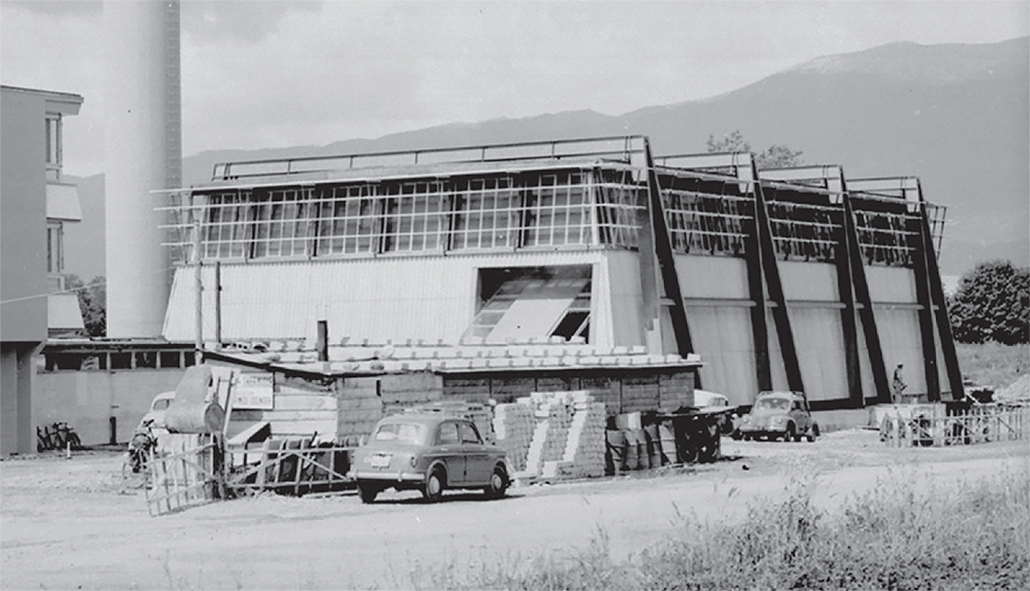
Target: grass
(908,533)
(993,364)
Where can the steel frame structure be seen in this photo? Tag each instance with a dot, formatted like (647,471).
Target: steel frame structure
(596,193)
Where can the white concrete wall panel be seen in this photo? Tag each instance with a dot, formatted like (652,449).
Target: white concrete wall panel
(398,298)
(708,277)
(87,399)
(891,284)
(623,283)
(808,281)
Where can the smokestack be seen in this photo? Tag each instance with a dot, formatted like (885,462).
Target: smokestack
(143,153)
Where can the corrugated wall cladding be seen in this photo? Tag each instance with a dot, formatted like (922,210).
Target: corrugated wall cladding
(401,298)
(819,339)
(722,336)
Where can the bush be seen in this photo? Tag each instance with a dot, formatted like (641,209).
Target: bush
(992,304)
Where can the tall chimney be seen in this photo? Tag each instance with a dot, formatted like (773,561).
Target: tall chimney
(143,153)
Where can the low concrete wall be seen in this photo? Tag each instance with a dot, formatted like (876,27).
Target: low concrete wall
(87,400)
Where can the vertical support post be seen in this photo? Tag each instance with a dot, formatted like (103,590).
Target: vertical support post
(323,340)
(218,305)
(865,312)
(198,283)
(772,278)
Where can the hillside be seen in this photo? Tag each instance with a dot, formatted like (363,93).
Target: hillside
(956,116)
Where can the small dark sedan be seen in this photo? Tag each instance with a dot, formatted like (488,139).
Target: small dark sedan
(779,414)
(428,452)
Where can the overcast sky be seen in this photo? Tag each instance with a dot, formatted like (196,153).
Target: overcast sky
(271,74)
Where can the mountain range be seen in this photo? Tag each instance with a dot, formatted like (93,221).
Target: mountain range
(956,116)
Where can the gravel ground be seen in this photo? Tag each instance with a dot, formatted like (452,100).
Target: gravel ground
(68,524)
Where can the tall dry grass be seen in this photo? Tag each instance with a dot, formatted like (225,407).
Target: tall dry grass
(907,533)
(993,364)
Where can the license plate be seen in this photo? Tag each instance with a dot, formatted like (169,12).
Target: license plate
(380,461)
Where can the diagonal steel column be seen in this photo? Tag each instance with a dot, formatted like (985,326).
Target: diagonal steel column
(865,311)
(662,248)
(781,318)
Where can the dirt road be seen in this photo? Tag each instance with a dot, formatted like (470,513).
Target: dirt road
(67,524)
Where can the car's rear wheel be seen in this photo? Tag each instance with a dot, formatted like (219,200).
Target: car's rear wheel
(813,432)
(498,483)
(367,492)
(435,483)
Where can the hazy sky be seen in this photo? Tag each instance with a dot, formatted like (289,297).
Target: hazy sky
(269,74)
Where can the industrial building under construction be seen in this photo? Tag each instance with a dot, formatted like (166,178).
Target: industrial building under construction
(796,279)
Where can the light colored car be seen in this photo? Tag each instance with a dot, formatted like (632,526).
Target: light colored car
(712,402)
(429,452)
(779,414)
(156,413)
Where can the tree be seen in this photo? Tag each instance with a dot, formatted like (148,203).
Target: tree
(775,156)
(992,303)
(92,302)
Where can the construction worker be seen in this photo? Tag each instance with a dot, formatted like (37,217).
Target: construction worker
(899,384)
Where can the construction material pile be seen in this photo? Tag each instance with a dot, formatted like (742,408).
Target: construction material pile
(567,435)
(1017,392)
(514,425)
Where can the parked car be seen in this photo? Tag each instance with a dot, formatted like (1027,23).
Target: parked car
(155,417)
(429,452)
(715,403)
(779,414)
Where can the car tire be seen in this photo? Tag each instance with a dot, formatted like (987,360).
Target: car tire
(788,435)
(498,483)
(814,431)
(435,483)
(367,492)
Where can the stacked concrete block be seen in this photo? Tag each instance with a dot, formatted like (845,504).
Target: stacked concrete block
(514,425)
(584,448)
(568,441)
(639,394)
(359,408)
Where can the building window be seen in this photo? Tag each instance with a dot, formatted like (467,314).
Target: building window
(617,206)
(347,221)
(484,210)
(54,249)
(414,216)
(282,223)
(706,216)
(227,224)
(557,211)
(551,209)
(532,303)
(53,141)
